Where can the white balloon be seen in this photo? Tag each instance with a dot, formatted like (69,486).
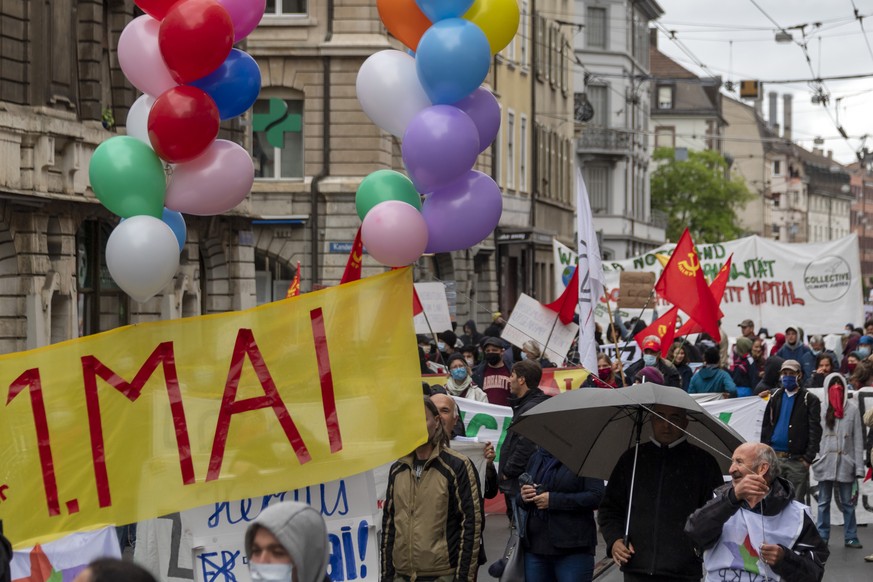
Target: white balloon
(142,254)
(138,119)
(389,90)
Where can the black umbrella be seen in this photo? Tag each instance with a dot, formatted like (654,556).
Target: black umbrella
(590,428)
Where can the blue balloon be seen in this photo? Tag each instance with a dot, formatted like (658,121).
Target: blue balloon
(452,60)
(437,10)
(234,86)
(176,222)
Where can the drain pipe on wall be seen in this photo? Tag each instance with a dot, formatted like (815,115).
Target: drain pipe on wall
(315,186)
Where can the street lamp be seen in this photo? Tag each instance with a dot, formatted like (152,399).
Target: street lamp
(784,37)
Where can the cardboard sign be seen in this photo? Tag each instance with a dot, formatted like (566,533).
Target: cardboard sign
(436,316)
(155,418)
(531,321)
(635,289)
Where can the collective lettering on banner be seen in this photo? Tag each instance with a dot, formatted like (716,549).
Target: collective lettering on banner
(88,422)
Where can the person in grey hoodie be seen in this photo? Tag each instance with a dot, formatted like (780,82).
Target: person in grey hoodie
(840,458)
(287,542)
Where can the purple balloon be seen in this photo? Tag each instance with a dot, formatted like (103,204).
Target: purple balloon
(463,213)
(440,145)
(483,109)
(245,15)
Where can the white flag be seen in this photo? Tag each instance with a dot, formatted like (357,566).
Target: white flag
(590,275)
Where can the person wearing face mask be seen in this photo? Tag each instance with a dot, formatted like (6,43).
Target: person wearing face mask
(471,355)
(792,426)
(652,358)
(287,542)
(492,375)
(865,346)
(433,514)
(460,380)
(606,374)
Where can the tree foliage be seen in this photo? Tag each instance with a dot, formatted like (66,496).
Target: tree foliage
(698,193)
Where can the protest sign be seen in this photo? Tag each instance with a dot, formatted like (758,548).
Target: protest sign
(565,262)
(213,535)
(152,419)
(531,321)
(816,286)
(64,558)
(435,317)
(635,289)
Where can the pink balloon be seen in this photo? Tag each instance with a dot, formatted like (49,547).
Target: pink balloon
(245,14)
(394,233)
(213,183)
(140,57)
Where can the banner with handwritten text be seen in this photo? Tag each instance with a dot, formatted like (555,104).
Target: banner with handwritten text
(816,286)
(154,418)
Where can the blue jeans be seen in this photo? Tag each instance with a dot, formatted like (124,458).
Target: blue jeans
(823,521)
(567,568)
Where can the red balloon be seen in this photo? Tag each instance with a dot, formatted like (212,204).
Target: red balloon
(195,38)
(182,123)
(157,9)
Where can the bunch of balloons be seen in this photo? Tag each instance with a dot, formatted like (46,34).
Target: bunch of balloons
(431,98)
(180,55)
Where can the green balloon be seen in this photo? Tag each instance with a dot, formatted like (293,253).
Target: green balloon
(128,177)
(384,185)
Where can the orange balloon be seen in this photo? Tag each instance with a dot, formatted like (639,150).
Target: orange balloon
(403,19)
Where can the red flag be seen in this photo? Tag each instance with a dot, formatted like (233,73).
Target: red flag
(682,283)
(353,266)
(664,327)
(417,307)
(717,288)
(565,305)
(294,287)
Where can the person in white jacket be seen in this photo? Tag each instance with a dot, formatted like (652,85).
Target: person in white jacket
(840,458)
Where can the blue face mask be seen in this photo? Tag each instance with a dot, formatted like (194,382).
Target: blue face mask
(864,352)
(272,572)
(650,359)
(459,374)
(789,382)
(441,346)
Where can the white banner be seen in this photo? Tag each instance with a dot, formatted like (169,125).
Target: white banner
(436,308)
(530,320)
(64,558)
(815,286)
(565,261)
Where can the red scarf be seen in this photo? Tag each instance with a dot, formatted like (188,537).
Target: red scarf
(835,397)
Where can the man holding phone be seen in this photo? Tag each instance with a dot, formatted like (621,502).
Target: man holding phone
(750,529)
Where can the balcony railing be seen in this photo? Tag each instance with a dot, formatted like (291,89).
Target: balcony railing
(603,139)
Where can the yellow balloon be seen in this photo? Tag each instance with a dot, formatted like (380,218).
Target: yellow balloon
(498,19)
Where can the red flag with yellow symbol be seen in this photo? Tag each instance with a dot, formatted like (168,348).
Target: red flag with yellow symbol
(717,289)
(356,256)
(294,287)
(664,327)
(682,283)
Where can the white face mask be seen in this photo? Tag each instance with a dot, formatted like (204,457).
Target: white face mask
(271,572)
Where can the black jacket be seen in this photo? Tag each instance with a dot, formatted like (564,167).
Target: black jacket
(804,432)
(516,449)
(772,369)
(669,371)
(569,518)
(670,484)
(804,562)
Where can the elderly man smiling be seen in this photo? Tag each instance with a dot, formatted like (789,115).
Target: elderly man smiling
(754,529)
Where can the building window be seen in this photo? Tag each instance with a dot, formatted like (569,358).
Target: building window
(665,97)
(777,168)
(272,278)
(277,129)
(775,231)
(280,7)
(510,149)
(525,32)
(665,136)
(598,97)
(595,26)
(102,304)
(522,153)
(597,182)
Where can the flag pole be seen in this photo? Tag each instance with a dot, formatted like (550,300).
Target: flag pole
(551,331)
(436,339)
(615,340)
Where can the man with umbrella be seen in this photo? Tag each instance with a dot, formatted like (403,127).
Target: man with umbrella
(672,479)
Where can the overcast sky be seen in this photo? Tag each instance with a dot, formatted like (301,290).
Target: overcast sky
(835,44)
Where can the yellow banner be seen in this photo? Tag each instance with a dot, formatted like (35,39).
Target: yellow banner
(151,419)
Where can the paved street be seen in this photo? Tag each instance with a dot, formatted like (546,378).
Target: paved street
(844,565)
